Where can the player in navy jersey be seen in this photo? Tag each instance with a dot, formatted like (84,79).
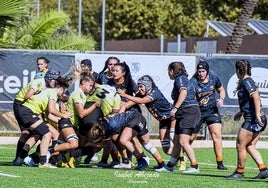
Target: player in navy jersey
(123,127)
(187,114)
(208,87)
(254,121)
(106,74)
(122,79)
(157,105)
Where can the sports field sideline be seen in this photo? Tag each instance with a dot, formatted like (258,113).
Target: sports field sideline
(196,144)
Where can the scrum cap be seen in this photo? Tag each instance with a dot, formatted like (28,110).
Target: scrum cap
(203,65)
(146,81)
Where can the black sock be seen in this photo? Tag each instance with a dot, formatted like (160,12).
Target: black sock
(43,159)
(19,148)
(125,160)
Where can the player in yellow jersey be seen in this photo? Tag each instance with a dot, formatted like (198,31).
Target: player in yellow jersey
(30,114)
(32,88)
(75,105)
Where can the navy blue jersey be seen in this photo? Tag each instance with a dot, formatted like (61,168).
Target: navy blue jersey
(130,88)
(182,82)
(159,106)
(246,103)
(206,92)
(115,123)
(103,79)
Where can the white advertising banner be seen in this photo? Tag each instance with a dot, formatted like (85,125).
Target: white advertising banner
(154,65)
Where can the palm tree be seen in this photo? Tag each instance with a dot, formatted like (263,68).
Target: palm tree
(49,31)
(9,10)
(240,28)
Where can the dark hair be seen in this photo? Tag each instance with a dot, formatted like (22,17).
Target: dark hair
(127,74)
(178,68)
(96,133)
(42,58)
(107,62)
(201,65)
(87,63)
(62,82)
(244,67)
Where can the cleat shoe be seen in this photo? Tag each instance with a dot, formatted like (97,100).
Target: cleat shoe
(29,161)
(142,164)
(165,168)
(262,175)
(95,158)
(19,161)
(71,162)
(182,166)
(235,175)
(46,165)
(63,164)
(123,165)
(158,166)
(113,163)
(191,170)
(103,164)
(221,167)
(147,159)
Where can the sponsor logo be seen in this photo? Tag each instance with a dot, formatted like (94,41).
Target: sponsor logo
(259,75)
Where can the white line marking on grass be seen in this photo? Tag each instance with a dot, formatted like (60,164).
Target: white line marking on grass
(8,175)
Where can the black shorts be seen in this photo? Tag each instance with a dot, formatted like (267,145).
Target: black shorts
(209,117)
(27,116)
(186,118)
(165,123)
(16,105)
(87,122)
(65,123)
(138,124)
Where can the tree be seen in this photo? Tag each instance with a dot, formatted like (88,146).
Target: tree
(240,28)
(9,10)
(49,31)
(148,19)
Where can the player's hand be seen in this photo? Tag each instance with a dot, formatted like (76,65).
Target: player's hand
(67,114)
(258,120)
(237,116)
(220,102)
(97,104)
(121,92)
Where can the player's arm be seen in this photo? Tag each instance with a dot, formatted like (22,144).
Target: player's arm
(54,111)
(82,112)
(138,100)
(30,93)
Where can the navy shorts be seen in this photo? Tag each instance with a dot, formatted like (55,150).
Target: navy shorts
(165,123)
(138,124)
(209,117)
(247,124)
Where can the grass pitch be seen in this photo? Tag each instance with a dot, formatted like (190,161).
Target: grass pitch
(88,176)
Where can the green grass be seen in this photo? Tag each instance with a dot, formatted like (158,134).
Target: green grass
(87,176)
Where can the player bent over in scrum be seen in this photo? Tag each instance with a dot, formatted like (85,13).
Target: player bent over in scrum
(123,127)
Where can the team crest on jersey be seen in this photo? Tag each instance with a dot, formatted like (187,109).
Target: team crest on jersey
(135,67)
